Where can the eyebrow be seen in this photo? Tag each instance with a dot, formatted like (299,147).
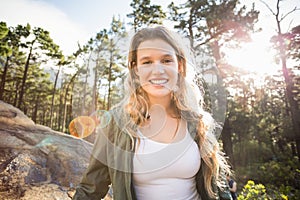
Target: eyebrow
(149,57)
(145,58)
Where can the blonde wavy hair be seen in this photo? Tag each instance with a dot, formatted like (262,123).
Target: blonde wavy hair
(136,104)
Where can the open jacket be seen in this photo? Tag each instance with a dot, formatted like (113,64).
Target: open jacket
(111,162)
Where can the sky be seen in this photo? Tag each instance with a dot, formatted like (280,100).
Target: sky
(68,21)
(73,21)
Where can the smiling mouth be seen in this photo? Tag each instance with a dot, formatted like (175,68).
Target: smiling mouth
(158,81)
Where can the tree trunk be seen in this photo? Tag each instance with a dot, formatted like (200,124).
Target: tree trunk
(25,77)
(16,94)
(69,115)
(109,82)
(65,102)
(227,142)
(53,96)
(60,111)
(295,112)
(94,103)
(43,121)
(83,108)
(36,106)
(226,133)
(2,86)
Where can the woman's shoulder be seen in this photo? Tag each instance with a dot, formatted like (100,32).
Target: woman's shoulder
(115,114)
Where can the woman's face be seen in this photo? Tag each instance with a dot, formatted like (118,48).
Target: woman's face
(157,67)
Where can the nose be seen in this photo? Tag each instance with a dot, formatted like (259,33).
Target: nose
(158,68)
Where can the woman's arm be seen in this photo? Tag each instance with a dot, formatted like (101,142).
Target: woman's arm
(96,179)
(233,188)
(94,183)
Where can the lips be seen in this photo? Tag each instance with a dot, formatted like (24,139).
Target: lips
(158,81)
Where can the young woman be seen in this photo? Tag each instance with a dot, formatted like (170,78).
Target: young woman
(158,143)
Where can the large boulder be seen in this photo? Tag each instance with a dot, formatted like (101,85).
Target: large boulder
(37,162)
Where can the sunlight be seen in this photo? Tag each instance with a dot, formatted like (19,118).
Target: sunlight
(256,56)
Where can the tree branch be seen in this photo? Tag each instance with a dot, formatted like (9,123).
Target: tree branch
(208,39)
(282,18)
(268,7)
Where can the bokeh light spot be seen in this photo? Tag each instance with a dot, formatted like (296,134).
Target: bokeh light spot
(82,126)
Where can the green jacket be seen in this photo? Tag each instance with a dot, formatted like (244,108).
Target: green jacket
(111,162)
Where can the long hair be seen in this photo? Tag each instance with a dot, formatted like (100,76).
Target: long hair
(136,104)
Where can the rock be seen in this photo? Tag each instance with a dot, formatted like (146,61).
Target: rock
(37,162)
(13,116)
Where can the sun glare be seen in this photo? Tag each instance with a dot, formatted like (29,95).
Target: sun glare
(256,56)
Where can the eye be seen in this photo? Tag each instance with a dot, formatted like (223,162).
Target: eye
(167,60)
(147,62)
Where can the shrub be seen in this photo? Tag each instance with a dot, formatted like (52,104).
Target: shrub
(253,191)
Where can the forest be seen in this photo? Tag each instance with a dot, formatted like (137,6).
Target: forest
(260,119)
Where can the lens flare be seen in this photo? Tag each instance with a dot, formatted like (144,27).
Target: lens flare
(101,118)
(82,126)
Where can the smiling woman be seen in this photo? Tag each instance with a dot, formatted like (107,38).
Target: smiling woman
(159,143)
(157,68)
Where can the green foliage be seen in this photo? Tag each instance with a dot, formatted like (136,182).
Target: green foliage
(250,151)
(293,43)
(252,191)
(218,21)
(144,14)
(260,127)
(3,30)
(96,84)
(278,173)
(4,48)
(283,192)
(281,178)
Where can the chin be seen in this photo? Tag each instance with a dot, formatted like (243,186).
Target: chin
(157,92)
(160,94)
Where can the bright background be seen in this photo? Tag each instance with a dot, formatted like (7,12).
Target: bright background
(73,21)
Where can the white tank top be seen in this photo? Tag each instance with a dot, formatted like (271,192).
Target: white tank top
(166,171)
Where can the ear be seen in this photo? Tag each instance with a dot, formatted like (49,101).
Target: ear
(180,67)
(135,69)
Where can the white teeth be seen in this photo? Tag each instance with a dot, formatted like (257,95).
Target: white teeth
(158,82)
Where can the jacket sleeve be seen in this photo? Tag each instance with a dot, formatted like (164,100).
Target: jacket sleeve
(94,183)
(96,179)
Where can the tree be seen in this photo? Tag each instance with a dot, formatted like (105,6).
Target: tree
(101,43)
(9,48)
(65,111)
(214,24)
(40,42)
(108,63)
(38,87)
(145,14)
(4,51)
(61,62)
(293,52)
(116,60)
(281,46)
(69,86)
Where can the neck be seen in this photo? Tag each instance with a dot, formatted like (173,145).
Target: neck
(165,103)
